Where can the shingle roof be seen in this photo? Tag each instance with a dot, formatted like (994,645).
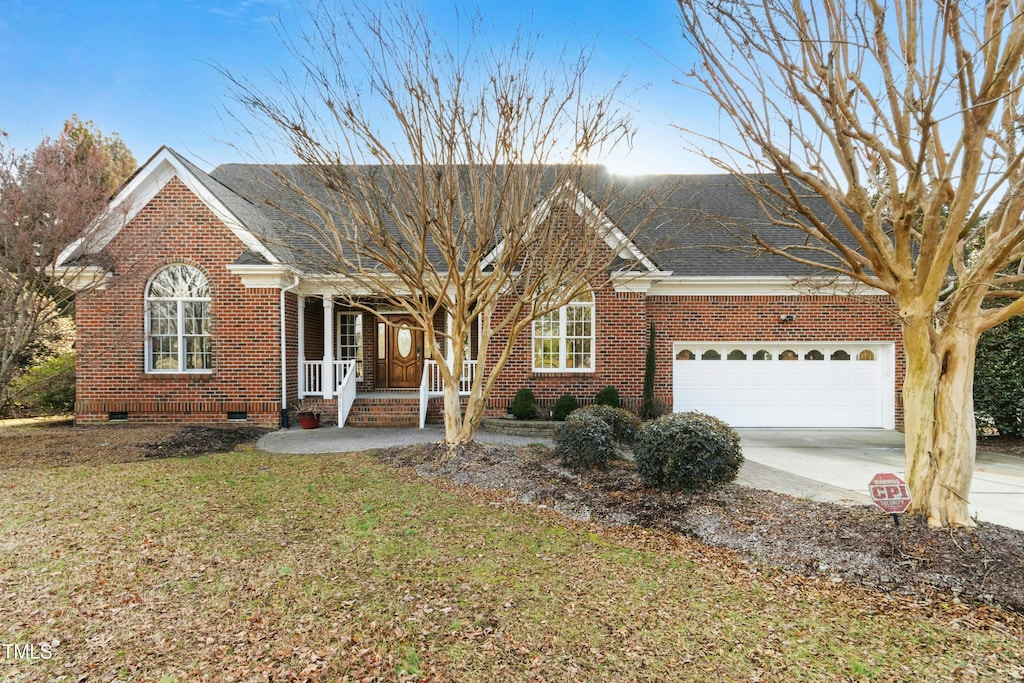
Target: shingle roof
(682,216)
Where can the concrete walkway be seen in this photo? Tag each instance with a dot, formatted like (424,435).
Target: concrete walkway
(826,465)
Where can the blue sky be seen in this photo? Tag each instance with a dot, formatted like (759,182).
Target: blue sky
(143,68)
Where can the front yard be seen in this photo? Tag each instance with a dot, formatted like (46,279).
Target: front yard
(247,566)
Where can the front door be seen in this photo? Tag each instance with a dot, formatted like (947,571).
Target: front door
(405,353)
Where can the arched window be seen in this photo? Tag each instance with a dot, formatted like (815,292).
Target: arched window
(736,354)
(563,340)
(178,335)
(711,354)
(685,354)
(866,354)
(814,354)
(763,354)
(839,354)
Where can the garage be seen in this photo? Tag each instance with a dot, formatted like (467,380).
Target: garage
(830,385)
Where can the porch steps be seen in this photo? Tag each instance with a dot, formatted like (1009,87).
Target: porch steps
(396,409)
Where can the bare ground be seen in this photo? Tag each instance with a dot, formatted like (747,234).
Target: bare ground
(858,545)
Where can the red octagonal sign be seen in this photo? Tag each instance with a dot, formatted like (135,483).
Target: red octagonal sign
(889,492)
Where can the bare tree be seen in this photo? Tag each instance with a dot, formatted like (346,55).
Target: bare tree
(449,177)
(48,199)
(905,117)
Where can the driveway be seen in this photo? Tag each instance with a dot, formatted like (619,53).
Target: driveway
(846,459)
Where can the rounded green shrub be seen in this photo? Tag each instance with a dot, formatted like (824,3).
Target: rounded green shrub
(687,451)
(524,405)
(584,441)
(609,396)
(624,424)
(47,387)
(565,404)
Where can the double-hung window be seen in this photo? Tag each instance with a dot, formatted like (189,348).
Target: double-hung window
(178,337)
(563,340)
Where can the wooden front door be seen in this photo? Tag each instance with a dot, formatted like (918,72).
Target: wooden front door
(405,353)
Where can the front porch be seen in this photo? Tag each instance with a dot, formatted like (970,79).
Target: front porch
(374,367)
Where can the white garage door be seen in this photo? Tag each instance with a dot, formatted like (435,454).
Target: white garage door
(776,385)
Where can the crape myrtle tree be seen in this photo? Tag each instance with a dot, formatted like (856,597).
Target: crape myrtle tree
(904,116)
(49,197)
(448,174)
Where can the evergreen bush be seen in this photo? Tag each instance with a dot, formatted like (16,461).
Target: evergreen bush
(524,405)
(624,424)
(609,396)
(687,451)
(584,441)
(563,407)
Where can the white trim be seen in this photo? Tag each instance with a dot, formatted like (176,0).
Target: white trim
(148,181)
(264,276)
(329,382)
(676,285)
(78,278)
(301,350)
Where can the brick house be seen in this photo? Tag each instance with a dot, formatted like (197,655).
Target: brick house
(201,318)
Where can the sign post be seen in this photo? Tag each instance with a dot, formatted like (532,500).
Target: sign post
(890,493)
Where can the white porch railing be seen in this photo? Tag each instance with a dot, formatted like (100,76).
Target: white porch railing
(432,384)
(346,373)
(313,376)
(435,387)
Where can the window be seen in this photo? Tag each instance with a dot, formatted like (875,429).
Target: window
(350,340)
(178,335)
(866,355)
(814,354)
(685,354)
(736,354)
(840,355)
(564,339)
(763,354)
(711,354)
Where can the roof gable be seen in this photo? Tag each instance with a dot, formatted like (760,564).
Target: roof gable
(146,183)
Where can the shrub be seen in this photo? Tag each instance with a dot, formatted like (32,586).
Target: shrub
(689,451)
(48,387)
(648,410)
(584,441)
(565,404)
(609,396)
(524,405)
(624,424)
(999,378)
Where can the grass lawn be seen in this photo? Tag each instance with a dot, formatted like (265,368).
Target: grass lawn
(248,566)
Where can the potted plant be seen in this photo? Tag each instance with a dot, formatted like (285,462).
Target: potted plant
(308,410)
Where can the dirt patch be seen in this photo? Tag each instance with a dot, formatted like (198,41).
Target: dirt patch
(858,544)
(66,445)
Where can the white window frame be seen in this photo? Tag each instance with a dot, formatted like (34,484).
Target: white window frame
(586,303)
(179,324)
(341,350)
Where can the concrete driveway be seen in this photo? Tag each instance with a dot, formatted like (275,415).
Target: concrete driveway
(846,459)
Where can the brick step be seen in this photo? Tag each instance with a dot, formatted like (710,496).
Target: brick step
(384,412)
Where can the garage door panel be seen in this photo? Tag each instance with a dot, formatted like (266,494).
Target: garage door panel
(785,393)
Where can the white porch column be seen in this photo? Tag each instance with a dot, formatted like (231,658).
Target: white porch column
(301,323)
(328,347)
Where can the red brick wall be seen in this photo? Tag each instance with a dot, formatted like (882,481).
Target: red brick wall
(176,227)
(622,326)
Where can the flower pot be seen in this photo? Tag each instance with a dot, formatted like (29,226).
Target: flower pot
(309,420)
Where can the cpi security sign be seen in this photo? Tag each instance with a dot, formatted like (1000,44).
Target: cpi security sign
(889,492)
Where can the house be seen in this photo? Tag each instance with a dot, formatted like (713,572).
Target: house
(200,318)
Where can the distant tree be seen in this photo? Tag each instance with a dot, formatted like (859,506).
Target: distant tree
(453,172)
(49,197)
(904,119)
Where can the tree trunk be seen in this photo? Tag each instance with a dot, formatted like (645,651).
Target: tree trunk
(938,409)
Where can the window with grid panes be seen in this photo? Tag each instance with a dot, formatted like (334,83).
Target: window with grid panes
(563,340)
(178,335)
